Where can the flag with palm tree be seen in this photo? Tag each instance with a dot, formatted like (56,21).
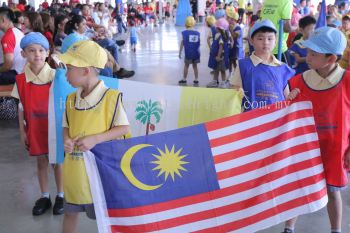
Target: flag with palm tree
(144,112)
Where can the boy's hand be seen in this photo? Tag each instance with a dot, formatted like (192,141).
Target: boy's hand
(347,159)
(293,94)
(218,58)
(86,143)
(24,139)
(68,145)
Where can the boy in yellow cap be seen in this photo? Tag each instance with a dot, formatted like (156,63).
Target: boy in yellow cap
(191,42)
(94,114)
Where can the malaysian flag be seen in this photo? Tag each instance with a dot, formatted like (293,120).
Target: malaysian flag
(238,174)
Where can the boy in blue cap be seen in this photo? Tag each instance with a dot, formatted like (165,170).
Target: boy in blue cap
(327,86)
(32,89)
(263,78)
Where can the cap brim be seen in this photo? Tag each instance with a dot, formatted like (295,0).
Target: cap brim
(310,45)
(69,59)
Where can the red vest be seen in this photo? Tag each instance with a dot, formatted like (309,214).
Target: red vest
(35,101)
(331,109)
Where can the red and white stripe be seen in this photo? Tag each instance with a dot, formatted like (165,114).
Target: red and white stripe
(269,169)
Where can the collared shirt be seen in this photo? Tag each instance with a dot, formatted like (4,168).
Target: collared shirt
(46,75)
(316,82)
(236,79)
(92,99)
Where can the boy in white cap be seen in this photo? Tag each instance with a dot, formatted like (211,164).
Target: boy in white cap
(191,42)
(32,89)
(327,86)
(94,114)
(263,78)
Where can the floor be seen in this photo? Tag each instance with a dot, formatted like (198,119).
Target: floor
(156,60)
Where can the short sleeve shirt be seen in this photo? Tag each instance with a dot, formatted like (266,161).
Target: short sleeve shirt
(10,44)
(276,11)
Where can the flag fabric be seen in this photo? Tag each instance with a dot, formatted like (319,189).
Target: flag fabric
(242,173)
(321,21)
(150,108)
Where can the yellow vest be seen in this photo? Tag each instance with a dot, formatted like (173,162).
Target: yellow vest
(84,122)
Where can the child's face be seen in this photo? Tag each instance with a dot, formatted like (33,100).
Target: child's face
(346,24)
(81,27)
(231,21)
(75,75)
(264,42)
(26,22)
(316,60)
(307,31)
(35,55)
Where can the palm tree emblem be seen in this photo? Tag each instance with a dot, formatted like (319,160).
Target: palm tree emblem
(144,112)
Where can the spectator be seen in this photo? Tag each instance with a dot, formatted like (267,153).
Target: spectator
(10,42)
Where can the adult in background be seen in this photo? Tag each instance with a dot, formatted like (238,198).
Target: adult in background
(276,11)
(10,42)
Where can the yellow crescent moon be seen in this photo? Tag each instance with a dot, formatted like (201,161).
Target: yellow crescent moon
(125,165)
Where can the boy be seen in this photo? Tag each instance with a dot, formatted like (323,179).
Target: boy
(306,27)
(263,78)
(32,90)
(345,59)
(191,42)
(327,86)
(94,114)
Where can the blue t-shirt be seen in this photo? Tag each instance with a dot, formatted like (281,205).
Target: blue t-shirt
(133,32)
(302,52)
(191,42)
(121,9)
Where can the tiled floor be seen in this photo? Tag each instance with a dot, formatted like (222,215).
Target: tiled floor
(156,60)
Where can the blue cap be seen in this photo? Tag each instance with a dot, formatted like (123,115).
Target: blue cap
(34,38)
(220,13)
(262,23)
(326,40)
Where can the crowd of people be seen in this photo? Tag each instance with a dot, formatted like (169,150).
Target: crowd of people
(313,66)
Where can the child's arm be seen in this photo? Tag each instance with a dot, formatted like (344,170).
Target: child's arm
(88,142)
(293,94)
(208,40)
(347,159)
(68,142)
(298,59)
(181,48)
(22,131)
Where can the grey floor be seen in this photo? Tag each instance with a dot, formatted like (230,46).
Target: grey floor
(156,61)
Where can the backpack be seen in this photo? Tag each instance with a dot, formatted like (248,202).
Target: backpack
(8,108)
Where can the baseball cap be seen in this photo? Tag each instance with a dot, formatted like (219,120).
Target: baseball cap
(222,24)
(231,13)
(326,40)
(85,53)
(34,38)
(220,13)
(190,22)
(211,20)
(260,24)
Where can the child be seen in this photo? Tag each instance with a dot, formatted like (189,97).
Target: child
(32,90)
(84,129)
(236,51)
(345,59)
(263,78)
(191,42)
(133,35)
(219,54)
(327,86)
(306,27)
(210,20)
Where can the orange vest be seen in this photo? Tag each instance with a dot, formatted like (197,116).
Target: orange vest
(35,101)
(331,109)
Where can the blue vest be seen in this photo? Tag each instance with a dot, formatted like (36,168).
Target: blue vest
(301,67)
(191,42)
(214,50)
(263,84)
(238,44)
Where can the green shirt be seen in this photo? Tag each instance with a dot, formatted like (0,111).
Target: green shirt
(275,10)
(241,4)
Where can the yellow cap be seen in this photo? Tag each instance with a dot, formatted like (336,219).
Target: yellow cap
(231,13)
(85,53)
(190,22)
(211,20)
